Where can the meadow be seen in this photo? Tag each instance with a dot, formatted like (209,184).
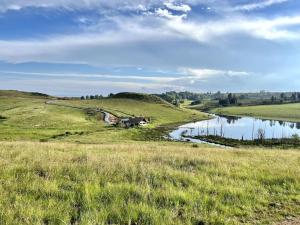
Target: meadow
(28,117)
(146,183)
(160,113)
(283,112)
(59,165)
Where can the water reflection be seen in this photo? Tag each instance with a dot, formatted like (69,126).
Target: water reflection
(241,128)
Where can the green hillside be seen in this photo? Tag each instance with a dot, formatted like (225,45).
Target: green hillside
(159,112)
(13,93)
(284,112)
(28,117)
(141,97)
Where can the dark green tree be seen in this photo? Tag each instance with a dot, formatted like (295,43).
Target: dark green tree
(294,97)
(273,99)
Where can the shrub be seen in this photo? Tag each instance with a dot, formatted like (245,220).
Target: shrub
(2,117)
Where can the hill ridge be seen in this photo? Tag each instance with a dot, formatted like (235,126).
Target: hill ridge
(24,94)
(141,97)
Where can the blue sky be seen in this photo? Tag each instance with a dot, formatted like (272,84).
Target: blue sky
(66,47)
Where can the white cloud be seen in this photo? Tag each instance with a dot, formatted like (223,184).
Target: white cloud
(269,29)
(142,5)
(73,87)
(258,5)
(210,73)
(147,40)
(178,7)
(167,14)
(78,4)
(83,20)
(154,79)
(93,47)
(14,7)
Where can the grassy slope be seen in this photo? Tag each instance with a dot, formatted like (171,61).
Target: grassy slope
(152,183)
(160,113)
(21,94)
(29,118)
(285,112)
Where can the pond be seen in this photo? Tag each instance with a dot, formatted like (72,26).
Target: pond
(240,128)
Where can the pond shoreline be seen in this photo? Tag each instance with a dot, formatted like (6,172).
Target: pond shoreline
(232,131)
(270,143)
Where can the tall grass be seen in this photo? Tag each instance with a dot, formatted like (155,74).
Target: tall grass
(145,183)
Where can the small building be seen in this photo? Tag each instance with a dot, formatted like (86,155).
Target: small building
(110,118)
(133,122)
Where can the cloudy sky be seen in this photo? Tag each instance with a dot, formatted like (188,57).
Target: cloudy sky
(68,47)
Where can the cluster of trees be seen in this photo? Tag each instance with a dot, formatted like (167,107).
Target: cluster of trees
(231,99)
(293,97)
(177,97)
(91,97)
(197,98)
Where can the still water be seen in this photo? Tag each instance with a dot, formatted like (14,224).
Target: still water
(246,128)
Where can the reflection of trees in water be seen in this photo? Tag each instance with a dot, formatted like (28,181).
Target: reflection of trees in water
(231,119)
(272,123)
(282,123)
(268,128)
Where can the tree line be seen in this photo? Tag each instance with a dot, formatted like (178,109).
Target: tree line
(228,99)
(92,97)
(294,97)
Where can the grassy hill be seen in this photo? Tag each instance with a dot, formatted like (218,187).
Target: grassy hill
(140,97)
(159,111)
(13,93)
(284,112)
(149,183)
(28,117)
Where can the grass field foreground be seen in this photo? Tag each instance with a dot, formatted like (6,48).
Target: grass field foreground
(149,183)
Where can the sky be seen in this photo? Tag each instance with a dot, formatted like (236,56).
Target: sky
(73,48)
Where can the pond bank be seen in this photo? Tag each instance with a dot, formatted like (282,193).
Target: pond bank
(239,131)
(270,143)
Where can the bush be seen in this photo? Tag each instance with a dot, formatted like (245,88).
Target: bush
(224,102)
(197,102)
(295,137)
(3,117)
